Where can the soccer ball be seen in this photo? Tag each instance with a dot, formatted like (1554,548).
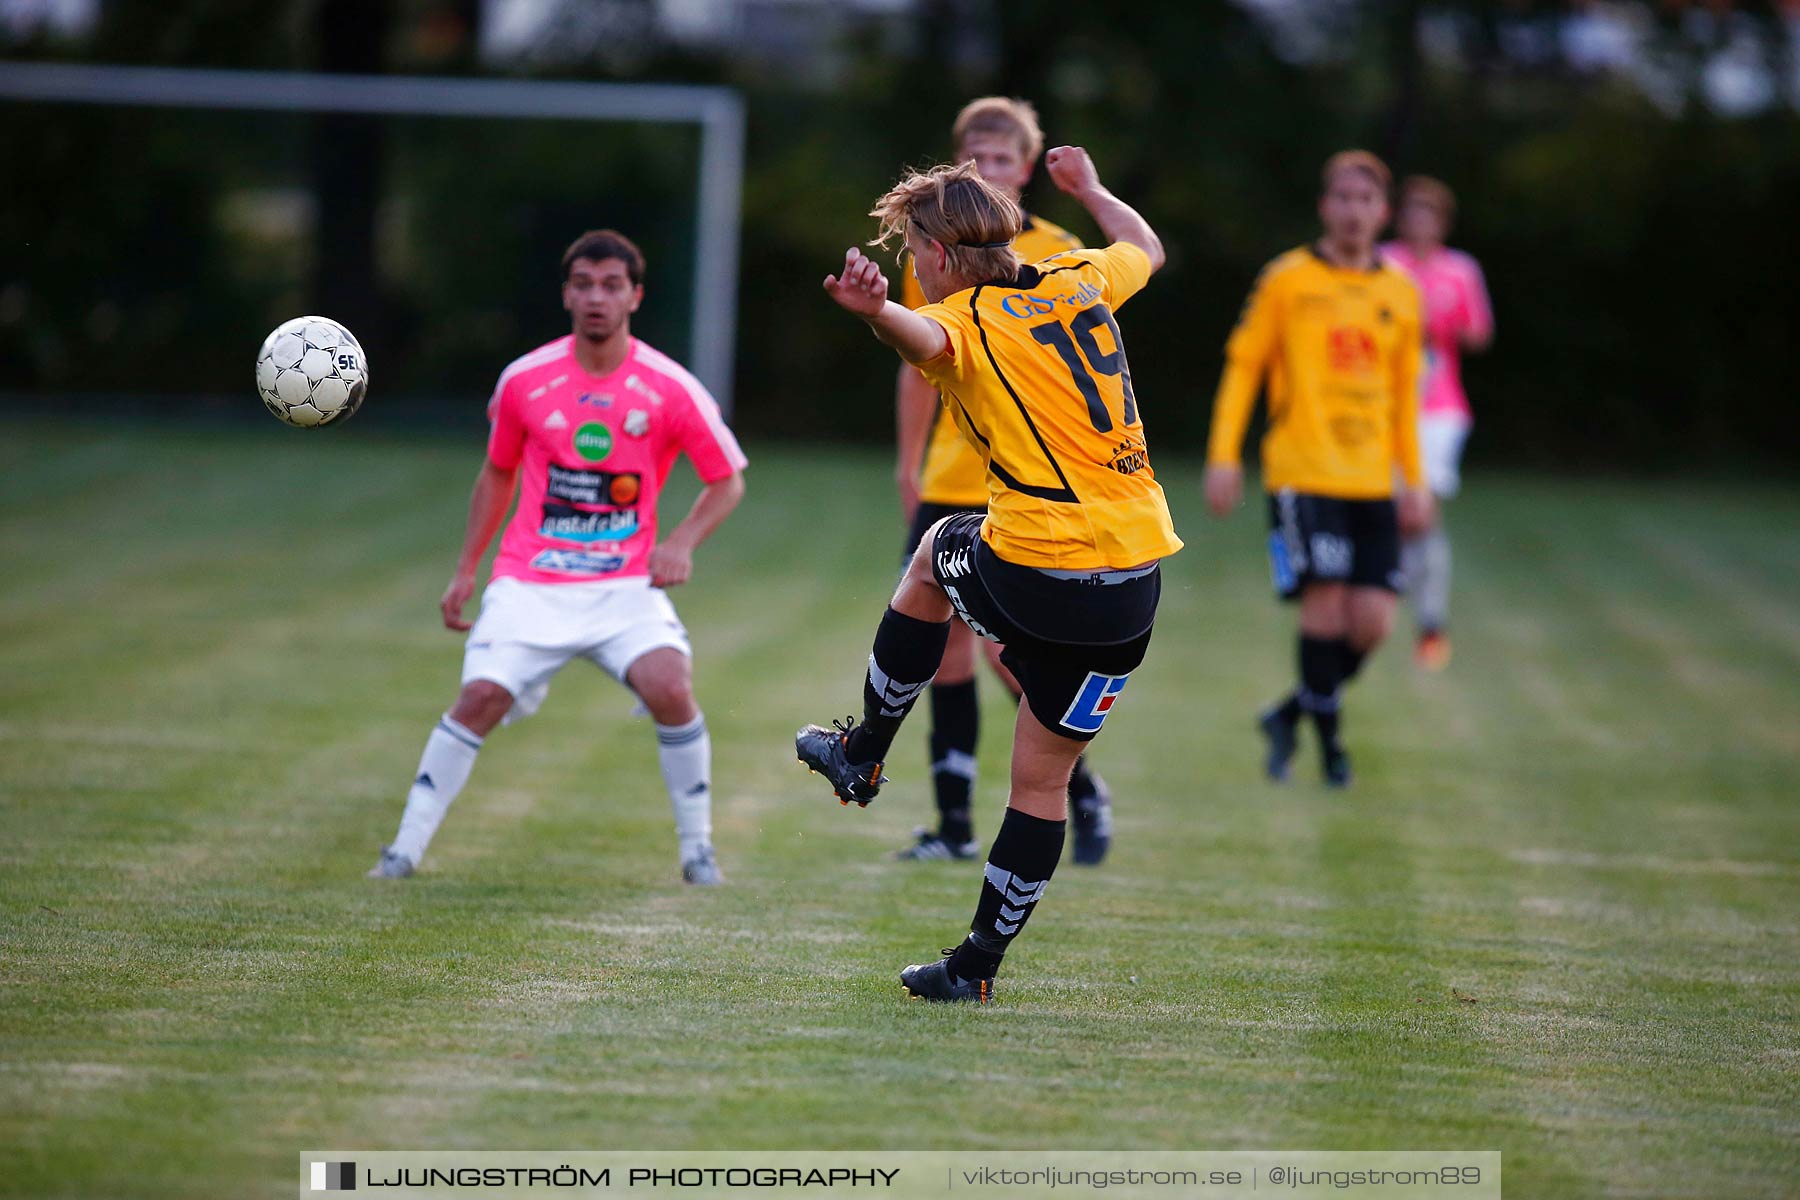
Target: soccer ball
(311,372)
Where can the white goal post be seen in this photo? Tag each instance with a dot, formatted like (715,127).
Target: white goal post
(718,111)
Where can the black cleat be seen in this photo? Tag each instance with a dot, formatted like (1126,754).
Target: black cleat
(933,981)
(1091,818)
(822,750)
(1337,765)
(930,847)
(1281,734)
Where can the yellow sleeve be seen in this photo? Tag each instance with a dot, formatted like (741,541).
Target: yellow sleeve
(1126,268)
(957,360)
(1246,359)
(1407,364)
(911,294)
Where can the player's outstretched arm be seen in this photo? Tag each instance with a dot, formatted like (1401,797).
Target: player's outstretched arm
(1073,171)
(487,508)
(862,289)
(1247,354)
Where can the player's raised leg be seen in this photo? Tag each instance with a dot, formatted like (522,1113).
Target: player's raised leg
(909,644)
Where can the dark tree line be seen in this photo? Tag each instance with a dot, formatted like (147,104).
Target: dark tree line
(1639,258)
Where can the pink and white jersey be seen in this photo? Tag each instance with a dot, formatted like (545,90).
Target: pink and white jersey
(593,453)
(1456,305)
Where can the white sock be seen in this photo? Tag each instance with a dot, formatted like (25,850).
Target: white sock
(685,753)
(443,769)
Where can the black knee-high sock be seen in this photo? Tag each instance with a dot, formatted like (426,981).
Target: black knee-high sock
(1018,869)
(1321,667)
(1287,708)
(1081,780)
(906,655)
(955,730)
(1350,661)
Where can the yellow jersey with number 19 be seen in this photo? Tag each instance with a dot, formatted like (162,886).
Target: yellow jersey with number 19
(1035,376)
(951,472)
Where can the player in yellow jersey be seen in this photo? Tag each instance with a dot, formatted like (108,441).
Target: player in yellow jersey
(939,474)
(1063,568)
(1335,331)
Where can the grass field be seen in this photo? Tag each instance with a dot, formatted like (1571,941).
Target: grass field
(1558,916)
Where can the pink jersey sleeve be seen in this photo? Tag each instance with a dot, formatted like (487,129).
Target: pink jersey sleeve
(1478,312)
(701,432)
(506,433)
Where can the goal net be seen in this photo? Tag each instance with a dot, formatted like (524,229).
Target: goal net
(164,220)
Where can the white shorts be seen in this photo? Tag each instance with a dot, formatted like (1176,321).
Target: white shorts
(527,632)
(1441,438)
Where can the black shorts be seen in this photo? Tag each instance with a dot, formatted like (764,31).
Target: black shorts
(1071,643)
(928,515)
(1321,539)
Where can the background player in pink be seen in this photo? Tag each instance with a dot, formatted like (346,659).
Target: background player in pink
(586,428)
(1458,317)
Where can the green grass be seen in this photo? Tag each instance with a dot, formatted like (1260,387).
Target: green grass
(1558,916)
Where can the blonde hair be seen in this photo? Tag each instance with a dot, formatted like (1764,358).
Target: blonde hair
(1001,114)
(952,204)
(1434,192)
(1357,160)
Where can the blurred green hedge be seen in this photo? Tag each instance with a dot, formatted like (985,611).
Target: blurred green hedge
(1641,265)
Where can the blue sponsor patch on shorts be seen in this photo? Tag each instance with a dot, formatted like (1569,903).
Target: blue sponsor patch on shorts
(1088,711)
(577,562)
(1281,567)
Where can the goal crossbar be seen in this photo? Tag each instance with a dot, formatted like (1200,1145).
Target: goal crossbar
(718,111)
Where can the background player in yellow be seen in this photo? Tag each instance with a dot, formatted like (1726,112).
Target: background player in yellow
(1335,331)
(1063,568)
(939,474)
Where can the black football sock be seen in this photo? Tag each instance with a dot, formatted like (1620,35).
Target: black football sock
(1320,665)
(1081,780)
(955,730)
(1287,708)
(1350,661)
(906,655)
(1018,869)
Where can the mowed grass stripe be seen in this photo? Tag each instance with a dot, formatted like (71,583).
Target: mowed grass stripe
(1254,966)
(1613,939)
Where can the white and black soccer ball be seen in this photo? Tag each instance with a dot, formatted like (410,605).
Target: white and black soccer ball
(312,372)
